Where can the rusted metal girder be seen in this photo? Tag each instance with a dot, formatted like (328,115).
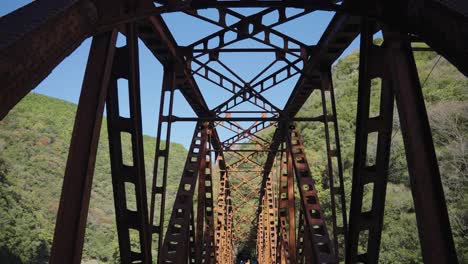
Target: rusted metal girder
(67,244)
(220,231)
(370,170)
(161,160)
(435,233)
(25,59)
(399,76)
(267,238)
(241,28)
(320,245)
(443,25)
(286,211)
(304,256)
(205,222)
(176,239)
(223,234)
(334,162)
(178,5)
(128,174)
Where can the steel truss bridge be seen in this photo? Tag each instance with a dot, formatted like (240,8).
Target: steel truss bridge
(250,172)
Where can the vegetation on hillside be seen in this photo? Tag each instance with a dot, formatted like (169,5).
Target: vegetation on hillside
(34,141)
(446,95)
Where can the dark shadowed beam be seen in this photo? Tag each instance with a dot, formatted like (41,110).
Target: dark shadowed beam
(35,39)
(171,5)
(74,202)
(432,217)
(444,28)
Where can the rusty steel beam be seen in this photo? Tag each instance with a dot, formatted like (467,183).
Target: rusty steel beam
(341,31)
(209,225)
(161,160)
(317,240)
(25,60)
(286,210)
(300,239)
(204,229)
(245,50)
(441,24)
(176,237)
(432,218)
(334,162)
(178,5)
(67,244)
(368,172)
(247,119)
(224,226)
(126,173)
(191,241)
(242,29)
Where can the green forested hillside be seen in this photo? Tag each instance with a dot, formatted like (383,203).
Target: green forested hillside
(34,141)
(446,94)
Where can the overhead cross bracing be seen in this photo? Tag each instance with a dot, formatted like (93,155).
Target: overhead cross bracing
(238,185)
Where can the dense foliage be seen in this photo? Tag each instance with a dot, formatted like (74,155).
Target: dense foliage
(446,95)
(34,142)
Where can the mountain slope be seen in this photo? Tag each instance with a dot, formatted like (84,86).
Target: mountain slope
(34,141)
(446,95)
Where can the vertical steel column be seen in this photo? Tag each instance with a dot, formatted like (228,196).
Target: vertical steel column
(220,233)
(334,162)
(315,228)
(174,248)
(291,210)
(204,228)
(208,238)
(229,234)
(264,227)
(283,237)
(304,254)
(300,239)
(70,227)
(426,186)
(309,255)
(271,210)
(161,159)
(191,243)
(224,221)
(201,208)
(368,173)
(261,237)
(126,66)
(286,210)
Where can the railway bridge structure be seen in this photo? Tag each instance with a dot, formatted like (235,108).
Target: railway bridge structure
(224,176)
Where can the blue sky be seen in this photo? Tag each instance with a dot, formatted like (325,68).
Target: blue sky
(65,80)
